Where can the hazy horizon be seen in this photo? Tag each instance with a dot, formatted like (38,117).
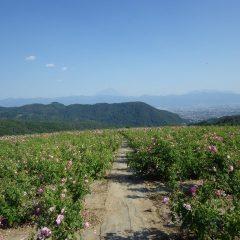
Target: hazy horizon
(100,93)
(69,48)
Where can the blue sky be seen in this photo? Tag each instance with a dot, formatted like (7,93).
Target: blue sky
(54,48)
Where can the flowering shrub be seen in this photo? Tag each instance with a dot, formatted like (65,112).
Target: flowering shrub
(180,156)
(44,178)
(44,233)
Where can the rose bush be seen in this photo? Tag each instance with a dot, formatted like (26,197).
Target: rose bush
(181,156)
(44,178)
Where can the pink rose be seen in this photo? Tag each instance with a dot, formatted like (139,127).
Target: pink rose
(193,190)
(40,190)
(59,219)
(212,148)
(87,225)
(44,233)
(166,200)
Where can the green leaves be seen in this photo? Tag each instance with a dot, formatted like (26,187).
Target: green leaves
(42,175)
(206,158)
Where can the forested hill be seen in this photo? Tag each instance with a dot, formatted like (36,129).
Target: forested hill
(132,114)
(227,120)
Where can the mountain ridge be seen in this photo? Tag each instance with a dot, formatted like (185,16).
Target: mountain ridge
(199,98)
(87,116)
(221,121)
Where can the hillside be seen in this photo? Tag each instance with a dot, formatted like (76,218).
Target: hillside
(56,117)
(227,120)
(16,127)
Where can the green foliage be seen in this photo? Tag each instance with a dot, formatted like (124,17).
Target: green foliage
(44,178)
(227,120)
(202,166)
(20,127)
(57,117)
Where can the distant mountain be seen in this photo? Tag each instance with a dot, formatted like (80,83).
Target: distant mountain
(227,120)
(132,114)
(17,102)
(194,99)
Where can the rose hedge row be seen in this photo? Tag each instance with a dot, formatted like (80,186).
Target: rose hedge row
(44,178)
(208,156)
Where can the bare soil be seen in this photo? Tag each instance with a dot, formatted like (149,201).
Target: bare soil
(16,233)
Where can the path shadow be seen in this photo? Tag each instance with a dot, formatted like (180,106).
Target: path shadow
(121,160)
(157,189)
(152,233)
(123,177)
(127,177)
(134,196)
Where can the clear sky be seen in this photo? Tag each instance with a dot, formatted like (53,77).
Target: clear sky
(54,48)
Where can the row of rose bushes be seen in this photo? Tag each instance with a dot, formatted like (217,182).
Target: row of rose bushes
(43,179)
(202,167)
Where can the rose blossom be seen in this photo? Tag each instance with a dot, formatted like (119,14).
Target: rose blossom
(218,193)
(166,200)
(62,195)
(231,168)
(86,224)
(63,180)
(1,220)
(212,148)
(44,233)
(40,190)
(193,190)
(59,219)
(187,206)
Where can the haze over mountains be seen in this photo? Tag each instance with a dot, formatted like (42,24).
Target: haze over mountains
(193,99)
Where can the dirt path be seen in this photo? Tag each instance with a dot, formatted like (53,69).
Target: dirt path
(127,212)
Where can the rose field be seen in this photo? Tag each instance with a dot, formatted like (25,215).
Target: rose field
(44,178)
(201,165)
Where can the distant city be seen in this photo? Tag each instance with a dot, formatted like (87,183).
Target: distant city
(196,114)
